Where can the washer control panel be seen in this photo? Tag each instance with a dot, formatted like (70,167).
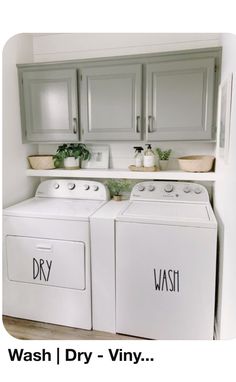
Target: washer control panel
(176,191)
(72,189)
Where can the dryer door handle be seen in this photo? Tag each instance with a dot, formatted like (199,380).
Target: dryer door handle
(42,247)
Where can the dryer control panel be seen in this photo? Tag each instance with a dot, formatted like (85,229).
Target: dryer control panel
(171,191)
(73,189)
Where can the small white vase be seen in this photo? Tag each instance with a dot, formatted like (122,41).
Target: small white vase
(71,163)
(163,164)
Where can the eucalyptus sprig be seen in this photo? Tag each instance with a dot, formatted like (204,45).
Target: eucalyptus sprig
(117,186)
(163,154)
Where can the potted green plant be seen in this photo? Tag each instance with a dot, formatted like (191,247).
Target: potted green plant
(69,155)
(164,156)
(117,187)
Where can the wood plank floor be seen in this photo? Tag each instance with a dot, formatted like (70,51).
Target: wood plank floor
(34,330)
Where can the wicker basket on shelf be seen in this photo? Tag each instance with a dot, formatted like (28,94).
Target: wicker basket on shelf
(196,163)
(41,162)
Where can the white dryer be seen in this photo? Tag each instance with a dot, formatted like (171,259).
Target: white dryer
(46,272)
(160,256)
(166,262)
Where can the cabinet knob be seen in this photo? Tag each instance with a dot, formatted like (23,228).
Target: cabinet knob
(74,125)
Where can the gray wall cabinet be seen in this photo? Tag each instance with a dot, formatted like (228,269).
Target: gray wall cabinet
(180,100)
(49,105)
(153,97)
(111,102)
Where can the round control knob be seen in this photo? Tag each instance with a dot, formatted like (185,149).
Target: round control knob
(151,187)
(56,186)
(168,188)
(197,190)
(95,188)
(141,187)
(86,187)
(187,189)
(71,186)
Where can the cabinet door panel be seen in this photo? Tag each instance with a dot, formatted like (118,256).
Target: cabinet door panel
(111,102)
(50,100)
(180,99)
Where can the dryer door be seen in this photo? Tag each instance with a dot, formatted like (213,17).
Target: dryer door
(48,262)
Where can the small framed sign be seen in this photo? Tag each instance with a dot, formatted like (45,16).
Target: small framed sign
(99,157)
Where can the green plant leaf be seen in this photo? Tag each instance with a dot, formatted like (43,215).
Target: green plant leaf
(76,150)
(117,186)
(163,154)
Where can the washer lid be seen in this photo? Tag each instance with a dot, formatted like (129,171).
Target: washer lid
(169,213)
(53,208)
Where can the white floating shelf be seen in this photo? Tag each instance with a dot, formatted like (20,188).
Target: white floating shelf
(125,174)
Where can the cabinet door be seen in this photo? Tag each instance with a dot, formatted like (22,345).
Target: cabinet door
(111,102)
(50,105)
(180,100)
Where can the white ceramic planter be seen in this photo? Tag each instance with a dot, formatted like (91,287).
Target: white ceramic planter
(71,163)
(163,164)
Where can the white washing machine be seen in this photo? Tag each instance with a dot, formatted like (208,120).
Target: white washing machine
(165,263)
(46,272)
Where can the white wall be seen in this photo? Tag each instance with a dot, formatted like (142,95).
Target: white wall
(16,185)
(122,153)
(225,207)
(52,47)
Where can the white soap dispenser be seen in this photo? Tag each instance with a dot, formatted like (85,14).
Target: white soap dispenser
(138,156)
(149,157)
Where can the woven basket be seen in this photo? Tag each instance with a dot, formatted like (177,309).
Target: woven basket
(41,162)
(196,163)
